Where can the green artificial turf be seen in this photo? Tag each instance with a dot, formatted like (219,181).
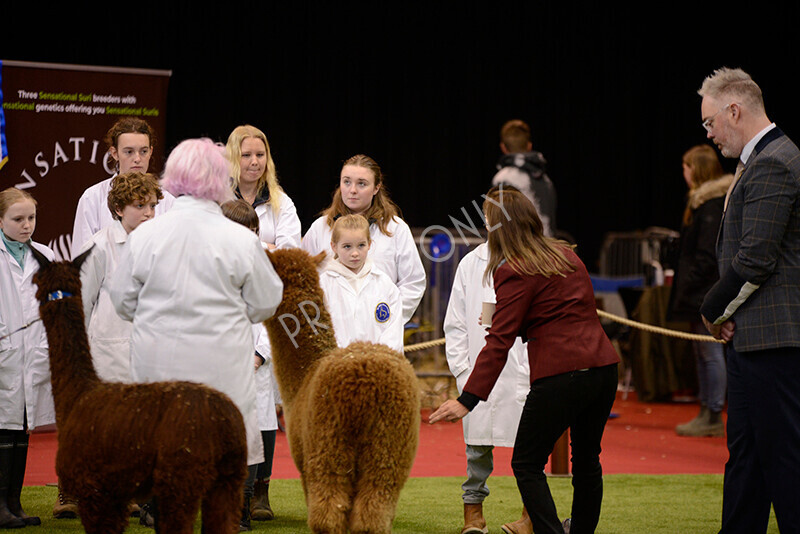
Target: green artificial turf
(651,504)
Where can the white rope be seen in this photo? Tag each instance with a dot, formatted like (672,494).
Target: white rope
(601,313)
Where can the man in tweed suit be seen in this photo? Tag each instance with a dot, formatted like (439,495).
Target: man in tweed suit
(755,306)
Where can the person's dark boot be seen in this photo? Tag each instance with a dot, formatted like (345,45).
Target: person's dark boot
(148,514)
(244,522)
(19,461)
(260,510)
(7,519)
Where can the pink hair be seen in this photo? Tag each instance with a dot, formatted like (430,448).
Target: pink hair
(198,167)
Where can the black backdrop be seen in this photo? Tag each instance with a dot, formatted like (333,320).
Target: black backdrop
(610,92)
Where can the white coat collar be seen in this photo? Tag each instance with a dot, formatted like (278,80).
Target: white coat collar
(190,202)
(117,232)
(482,251)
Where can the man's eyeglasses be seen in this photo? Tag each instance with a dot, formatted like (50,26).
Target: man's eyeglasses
(709,122)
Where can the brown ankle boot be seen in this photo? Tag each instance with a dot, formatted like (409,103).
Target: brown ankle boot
(66,507)
(260,509)
(522,525)
(474,523)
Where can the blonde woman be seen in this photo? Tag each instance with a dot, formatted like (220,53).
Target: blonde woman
(256,181)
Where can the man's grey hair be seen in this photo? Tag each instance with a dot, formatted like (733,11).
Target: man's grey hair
(733,84)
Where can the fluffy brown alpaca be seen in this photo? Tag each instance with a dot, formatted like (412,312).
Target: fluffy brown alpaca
(180,441)
(352,413)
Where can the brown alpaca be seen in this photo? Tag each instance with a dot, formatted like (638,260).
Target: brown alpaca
(183,442)
(352,413)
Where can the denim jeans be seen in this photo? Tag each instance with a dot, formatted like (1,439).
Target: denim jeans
(580,401)
(480,463)
(712,380)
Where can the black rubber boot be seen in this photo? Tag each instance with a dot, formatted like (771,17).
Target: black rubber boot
(7,519)
(19,461)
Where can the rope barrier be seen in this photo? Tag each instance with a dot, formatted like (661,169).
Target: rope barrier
(601,313)
(658,329)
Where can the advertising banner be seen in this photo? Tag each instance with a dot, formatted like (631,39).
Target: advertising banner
(54,118)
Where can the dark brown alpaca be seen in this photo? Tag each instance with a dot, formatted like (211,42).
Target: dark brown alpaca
(183,442)
(352,413)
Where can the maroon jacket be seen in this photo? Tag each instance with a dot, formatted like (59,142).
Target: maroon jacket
(558,318)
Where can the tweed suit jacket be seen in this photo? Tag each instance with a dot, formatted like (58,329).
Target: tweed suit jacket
(758,250)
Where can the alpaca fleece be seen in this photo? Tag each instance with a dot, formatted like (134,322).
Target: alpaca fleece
(181,441)
(352,413)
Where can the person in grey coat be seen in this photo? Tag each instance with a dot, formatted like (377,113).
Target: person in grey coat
(755,305)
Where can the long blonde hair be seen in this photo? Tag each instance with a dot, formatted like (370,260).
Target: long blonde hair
(233,150)
(381,210)
(516,236)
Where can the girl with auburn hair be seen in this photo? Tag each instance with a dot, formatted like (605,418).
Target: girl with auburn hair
(544,294)
(130,143)
(362,191)
(26,399)
(255,180)
(695,273)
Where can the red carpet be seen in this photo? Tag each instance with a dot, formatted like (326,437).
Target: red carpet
(639,438)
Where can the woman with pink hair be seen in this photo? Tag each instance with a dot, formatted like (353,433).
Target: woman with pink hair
(193,282)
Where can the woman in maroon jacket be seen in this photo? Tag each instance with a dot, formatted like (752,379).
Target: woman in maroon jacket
(545,296)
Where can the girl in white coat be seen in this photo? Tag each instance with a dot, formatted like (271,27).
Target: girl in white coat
(256,181)
(26,399)
(361,191)
(363,302)
(132,199)
(130,144)
(493,423)
(193,282)
(267,396)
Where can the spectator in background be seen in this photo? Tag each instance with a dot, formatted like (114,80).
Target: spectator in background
(695,273)
(524,168)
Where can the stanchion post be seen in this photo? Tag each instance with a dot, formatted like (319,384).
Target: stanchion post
(559,459)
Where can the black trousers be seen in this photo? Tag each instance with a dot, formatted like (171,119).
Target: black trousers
(580,401)
(763,430)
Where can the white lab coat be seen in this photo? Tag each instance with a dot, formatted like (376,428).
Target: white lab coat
(92,213)
(109,334)
(267,394)
(193,282)
(495,421)
(364,307)
(283,229)
(396,256)
(24,357)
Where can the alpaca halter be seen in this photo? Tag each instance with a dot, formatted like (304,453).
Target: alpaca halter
(57,295)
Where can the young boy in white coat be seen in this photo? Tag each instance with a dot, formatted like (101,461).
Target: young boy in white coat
(364,303)
(131,200)
(493,423)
